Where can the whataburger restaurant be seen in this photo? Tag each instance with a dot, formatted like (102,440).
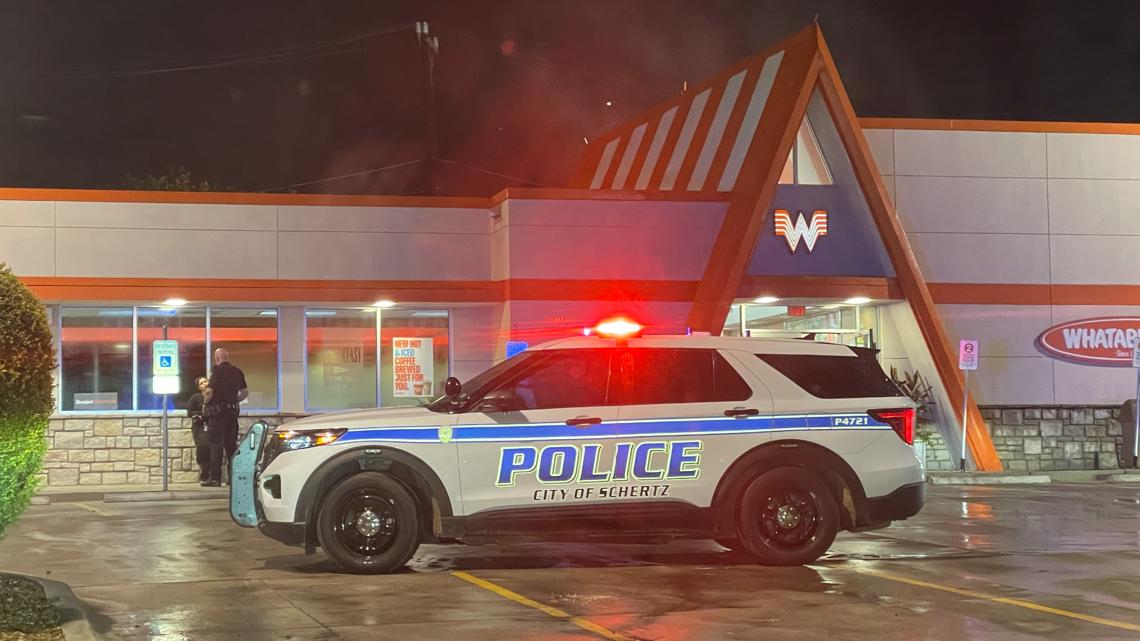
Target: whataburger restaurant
(757,203)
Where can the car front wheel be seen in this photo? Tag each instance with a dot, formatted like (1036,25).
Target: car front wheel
(368,524)
(787,517)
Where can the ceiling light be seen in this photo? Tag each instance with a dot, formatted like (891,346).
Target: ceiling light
(384,304)
(857,300)
(765,300)
(174,302)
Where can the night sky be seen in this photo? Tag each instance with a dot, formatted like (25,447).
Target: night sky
(257,96)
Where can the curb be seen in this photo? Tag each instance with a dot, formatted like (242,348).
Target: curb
(174,495)
(1119,478)
(988,479)
(127,497)
(72,612)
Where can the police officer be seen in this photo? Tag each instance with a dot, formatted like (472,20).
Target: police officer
(227,390)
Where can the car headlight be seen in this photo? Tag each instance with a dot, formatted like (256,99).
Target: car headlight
(304,439)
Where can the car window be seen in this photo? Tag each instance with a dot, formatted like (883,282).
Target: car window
(652,376)
(560,378)
(859,376)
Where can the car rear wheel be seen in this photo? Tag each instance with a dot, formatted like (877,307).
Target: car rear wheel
(368,524)
(787,517)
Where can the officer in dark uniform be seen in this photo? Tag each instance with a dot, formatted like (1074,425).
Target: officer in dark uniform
(227,390)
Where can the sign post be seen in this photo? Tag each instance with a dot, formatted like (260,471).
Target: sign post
(1136,410)
(164,372)
(967,361)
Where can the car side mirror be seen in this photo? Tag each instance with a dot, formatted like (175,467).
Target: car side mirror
(500,400)
(452,387)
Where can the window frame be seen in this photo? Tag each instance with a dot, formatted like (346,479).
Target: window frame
(378,313)
(135,375)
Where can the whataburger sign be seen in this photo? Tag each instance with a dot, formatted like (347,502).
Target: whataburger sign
(1106,342)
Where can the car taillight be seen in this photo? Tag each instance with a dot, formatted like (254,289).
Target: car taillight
(901,421)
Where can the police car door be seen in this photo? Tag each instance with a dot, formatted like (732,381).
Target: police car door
(691,414)
(525,442)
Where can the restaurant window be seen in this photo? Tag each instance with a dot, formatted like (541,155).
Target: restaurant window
(250,335)
(187,325)
(106,354)
(340,358)
(414,360)
(96,358)
(359,358)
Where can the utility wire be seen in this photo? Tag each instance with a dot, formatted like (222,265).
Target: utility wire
(354,174)
(555,69)
(315,50)
(493,173)
(366,172)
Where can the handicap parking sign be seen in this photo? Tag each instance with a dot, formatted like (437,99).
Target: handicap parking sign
(165,361)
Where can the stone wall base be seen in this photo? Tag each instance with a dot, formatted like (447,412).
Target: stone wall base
(123,450)
(127,450)
(1045,439)
(1056,438)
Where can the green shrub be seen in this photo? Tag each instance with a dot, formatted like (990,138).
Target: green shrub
(27,359)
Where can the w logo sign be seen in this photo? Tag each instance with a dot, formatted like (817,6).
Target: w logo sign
(800,229)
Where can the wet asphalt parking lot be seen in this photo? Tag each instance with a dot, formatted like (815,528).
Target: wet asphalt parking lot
(980,562)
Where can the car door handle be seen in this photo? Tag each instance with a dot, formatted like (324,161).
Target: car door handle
(583,421)
(742,412)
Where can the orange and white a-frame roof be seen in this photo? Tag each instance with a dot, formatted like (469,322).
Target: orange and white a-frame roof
(730,137)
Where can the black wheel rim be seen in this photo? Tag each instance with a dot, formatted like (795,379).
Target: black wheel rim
(365,522)
(789,517)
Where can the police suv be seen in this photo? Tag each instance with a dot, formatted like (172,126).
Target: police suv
(769,447)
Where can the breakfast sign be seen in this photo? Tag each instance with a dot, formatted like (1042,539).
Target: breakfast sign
(1103,342)
(412,367)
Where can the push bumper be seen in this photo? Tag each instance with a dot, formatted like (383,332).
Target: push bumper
(287,533)
(903,503)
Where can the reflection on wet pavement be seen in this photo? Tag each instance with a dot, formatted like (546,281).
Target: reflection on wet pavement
(977,563)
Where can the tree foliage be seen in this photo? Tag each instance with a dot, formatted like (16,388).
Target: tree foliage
(175,179)
(27,358)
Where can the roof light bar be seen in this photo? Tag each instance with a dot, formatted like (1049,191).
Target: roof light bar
(618,327)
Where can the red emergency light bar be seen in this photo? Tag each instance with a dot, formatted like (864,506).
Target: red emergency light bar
(618,327)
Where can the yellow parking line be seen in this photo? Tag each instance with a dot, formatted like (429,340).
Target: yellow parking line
(552,611)
(92,508)
(1021,603)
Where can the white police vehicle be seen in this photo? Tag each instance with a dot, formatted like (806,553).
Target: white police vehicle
(770,447)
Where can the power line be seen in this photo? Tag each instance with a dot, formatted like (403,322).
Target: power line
(357,174)
(556,69)
(314,50)
(473,168)
(354,174)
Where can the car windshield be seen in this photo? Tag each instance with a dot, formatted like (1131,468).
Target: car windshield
(480,382)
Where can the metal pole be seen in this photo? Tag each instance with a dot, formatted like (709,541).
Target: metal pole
(965,415)
(1136,428)
(165,434)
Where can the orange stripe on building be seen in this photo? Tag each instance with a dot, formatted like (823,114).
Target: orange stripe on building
(1031,126)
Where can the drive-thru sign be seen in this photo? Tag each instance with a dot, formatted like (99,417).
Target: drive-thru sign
(968,355)
(967,362)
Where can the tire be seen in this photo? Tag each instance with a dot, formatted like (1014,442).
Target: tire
(369,524)
(787,517)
